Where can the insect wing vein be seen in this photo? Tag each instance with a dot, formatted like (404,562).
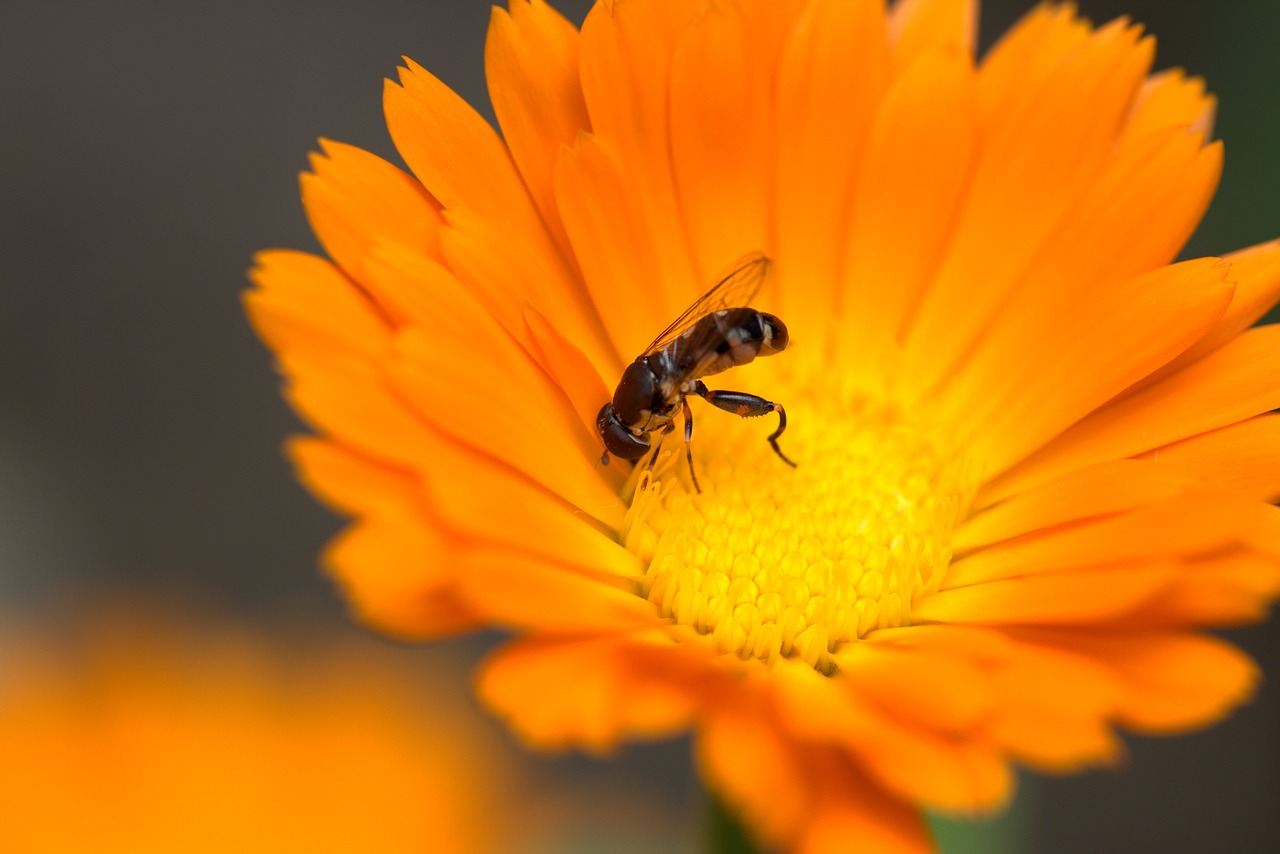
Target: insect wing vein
(735,290)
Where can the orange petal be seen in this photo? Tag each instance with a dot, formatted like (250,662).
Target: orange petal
(613,244)
(572,370)
(440,300)
(1188,525)
(912,180)
(1045,672)
(1243,458)
(1159,189)
(361,410)
(1052,706)
(1170,213)
(495,240)
(720,129)
(1028,54)
(540,434)
(531,63)
(595,703)
(364,412)
(745,760)
(1035,164)
(1155,191)
(1099,490)
(342,387)
(626,63)
(505,275)
(456,154)
(406,573)
(1181,682)
(333,349)
(1122,336)
(1238,381)
(986,646)
(917,27)
(424,292)
(529,517)
(838,53)
(518,386)
(393,572)
(1171,99)
(1230,589)
(305,306)
(773,23)
(1173,681)
(431,297)
(1056,598)
(960,774)
(445,310)
(906,683)
(362,407)
(851,812)
(355,199)
(457,489)
(1052,741)
(1055,706)
(1256,273)
(816,709)
(349,483)
(526,593)
(967,775)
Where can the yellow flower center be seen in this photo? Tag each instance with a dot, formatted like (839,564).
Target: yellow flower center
(770,560)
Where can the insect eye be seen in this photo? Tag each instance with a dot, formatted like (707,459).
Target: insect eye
(635,393)
(618,440)
(603,417)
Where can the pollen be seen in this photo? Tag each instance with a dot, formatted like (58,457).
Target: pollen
(772,561)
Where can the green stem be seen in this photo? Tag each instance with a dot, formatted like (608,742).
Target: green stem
(725,833)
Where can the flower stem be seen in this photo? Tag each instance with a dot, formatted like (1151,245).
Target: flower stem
(725,833)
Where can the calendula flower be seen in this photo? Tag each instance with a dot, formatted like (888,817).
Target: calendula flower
(1033,453)
(136,738)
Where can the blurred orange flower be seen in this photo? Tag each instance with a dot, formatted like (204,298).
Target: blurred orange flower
(218,739)
(1033,453)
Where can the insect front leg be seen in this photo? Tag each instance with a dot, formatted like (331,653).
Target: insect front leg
(688,441)
(747,406)
(653,458)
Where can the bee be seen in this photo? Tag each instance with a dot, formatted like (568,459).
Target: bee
(714,334)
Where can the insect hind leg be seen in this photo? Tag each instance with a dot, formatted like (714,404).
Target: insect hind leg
(748,406)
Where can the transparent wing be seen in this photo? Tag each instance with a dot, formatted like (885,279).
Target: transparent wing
(735,289)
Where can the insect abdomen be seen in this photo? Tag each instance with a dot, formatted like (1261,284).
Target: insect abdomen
(728,339)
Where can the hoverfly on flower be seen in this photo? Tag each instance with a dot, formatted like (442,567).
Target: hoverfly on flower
(716,333)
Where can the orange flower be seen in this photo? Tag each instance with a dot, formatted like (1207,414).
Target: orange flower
(216,739)
(1033,453)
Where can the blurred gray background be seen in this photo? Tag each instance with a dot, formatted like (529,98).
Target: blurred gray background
(149,148)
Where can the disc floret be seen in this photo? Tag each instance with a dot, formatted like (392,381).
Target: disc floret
(770,561)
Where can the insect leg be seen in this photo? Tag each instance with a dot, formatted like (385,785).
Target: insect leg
(657,446)
(688,441)
(747,406)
